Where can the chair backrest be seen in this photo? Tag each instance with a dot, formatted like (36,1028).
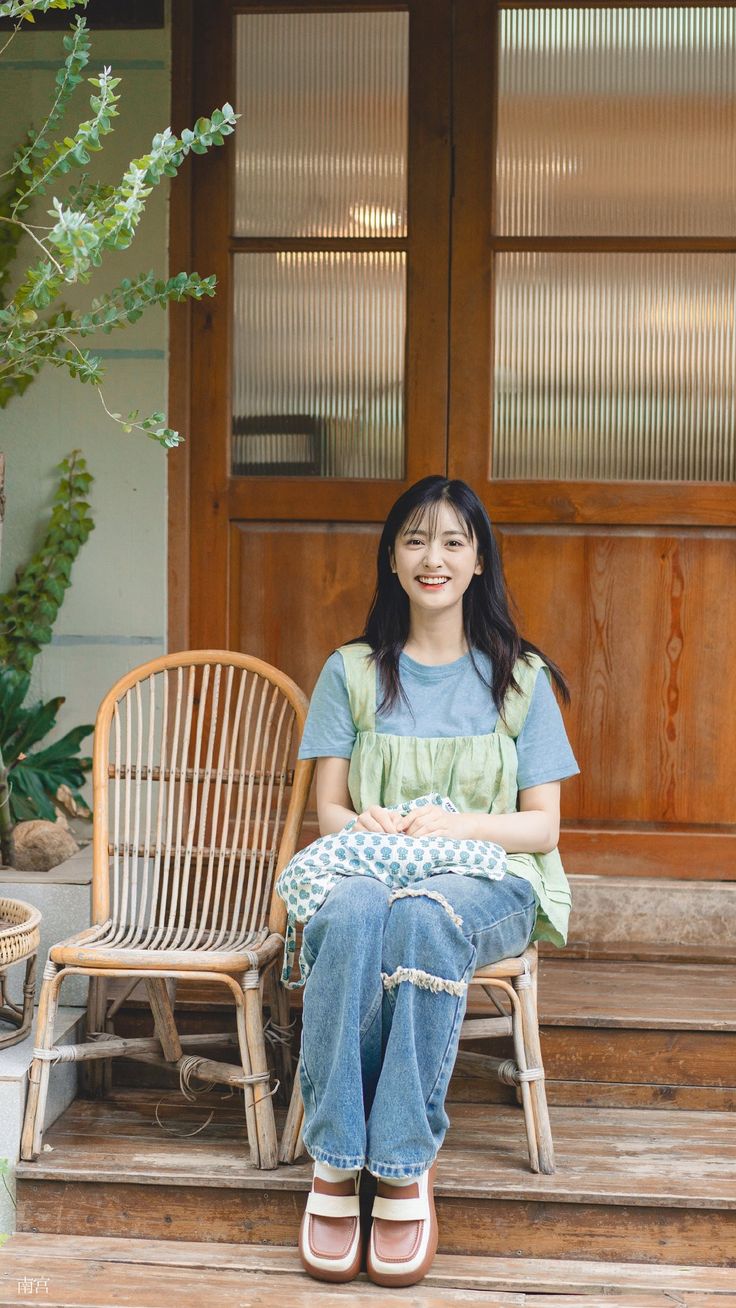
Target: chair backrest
(193,755)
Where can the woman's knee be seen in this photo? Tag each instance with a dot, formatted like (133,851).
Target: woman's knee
(355,910)
(422,925)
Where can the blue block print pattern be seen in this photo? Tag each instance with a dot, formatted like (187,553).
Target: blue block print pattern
(396,860)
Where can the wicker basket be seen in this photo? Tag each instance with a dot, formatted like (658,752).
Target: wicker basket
(19,939)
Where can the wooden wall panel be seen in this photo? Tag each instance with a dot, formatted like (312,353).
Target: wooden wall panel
(299,589)
(640,621)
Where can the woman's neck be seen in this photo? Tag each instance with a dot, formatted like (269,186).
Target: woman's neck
(435,638)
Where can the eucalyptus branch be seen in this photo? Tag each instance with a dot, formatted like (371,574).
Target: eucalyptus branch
(27,8)
(87,137)
(12,37)
(24,9)
(91,219)
(67,78)
(27,228)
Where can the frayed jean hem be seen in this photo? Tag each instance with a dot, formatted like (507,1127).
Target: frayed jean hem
(396,1171)
(349,1162)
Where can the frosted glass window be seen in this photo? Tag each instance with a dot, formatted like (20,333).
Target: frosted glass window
(318,364)
(321,147)
(616,121)
(615,367)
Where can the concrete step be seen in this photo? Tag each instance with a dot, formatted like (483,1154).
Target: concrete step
(63,1085)
(651,912)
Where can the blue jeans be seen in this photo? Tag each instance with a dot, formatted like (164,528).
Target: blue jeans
(383,1006)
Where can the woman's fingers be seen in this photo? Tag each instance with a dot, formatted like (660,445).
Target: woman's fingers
(375,818)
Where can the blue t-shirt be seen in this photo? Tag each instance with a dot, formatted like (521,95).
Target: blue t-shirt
(446,700)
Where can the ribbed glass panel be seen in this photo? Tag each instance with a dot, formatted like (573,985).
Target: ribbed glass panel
(321,146)
(617,121)
(615,367)
(318,364)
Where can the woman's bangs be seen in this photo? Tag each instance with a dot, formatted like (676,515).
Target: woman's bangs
(424,516)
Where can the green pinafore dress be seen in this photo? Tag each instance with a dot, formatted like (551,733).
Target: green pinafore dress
(478,773)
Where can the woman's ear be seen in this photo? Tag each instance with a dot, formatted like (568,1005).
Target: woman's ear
(392,559)
(478,566)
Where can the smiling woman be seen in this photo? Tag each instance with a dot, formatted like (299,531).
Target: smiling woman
(468,729)
(437,554)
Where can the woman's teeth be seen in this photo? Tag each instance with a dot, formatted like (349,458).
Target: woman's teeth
(432,581)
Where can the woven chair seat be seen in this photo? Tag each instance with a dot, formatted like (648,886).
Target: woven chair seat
(234,953)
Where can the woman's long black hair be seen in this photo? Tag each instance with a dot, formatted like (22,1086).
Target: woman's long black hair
(486,608)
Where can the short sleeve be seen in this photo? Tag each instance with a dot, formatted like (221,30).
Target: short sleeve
(542,746)
(329,731)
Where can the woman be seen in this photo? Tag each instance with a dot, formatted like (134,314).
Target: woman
(440,694)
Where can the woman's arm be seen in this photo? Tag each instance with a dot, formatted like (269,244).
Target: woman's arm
(334,804)
(535,829)
(334,807)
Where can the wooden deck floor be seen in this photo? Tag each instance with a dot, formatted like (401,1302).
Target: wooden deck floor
(640,1185)
(88,1272)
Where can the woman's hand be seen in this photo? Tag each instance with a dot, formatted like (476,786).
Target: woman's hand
(376,818)
(436,821)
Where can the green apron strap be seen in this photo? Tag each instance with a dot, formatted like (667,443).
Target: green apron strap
(516,705)
(360,678)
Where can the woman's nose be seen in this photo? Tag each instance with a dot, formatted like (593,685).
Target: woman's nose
(433,556)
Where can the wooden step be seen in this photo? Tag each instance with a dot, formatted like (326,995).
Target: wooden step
(630,1185)
(95,1271)
(659,1035)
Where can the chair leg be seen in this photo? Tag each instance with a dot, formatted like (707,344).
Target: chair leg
(159,998)
(39,1071)
(530,1029)
(292,1144)
(278,1001)
(265,1121)
(95,1075)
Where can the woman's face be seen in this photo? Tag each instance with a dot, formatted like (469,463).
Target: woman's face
(435,561)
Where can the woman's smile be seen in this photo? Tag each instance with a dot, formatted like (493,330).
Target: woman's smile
(429,582)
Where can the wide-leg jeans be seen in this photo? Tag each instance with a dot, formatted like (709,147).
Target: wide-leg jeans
(383,1006)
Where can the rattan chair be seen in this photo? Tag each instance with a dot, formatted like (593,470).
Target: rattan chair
(515,979)
(193,756)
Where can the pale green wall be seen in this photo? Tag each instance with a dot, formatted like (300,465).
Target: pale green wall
(114,614)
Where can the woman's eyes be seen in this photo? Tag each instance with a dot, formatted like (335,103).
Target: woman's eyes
(414,540)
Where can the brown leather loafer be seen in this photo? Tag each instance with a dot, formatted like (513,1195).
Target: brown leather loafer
(330,1244)
(403,1239)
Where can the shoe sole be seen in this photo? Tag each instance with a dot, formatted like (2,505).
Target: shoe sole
(403,1279)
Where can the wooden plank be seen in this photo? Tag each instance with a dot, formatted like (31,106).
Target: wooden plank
(76,1284)
(599,1094)
(452,1270)
(656,1058)
(596,1231)
(674,997)
(605,1156)
(641,951)
(493,1226)
(669,503)
(682,854)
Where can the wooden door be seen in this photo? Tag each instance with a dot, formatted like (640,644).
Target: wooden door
(623,576)
(565,299)
(282,564)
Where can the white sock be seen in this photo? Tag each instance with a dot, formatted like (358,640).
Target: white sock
(399,1180)
(327,1173)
